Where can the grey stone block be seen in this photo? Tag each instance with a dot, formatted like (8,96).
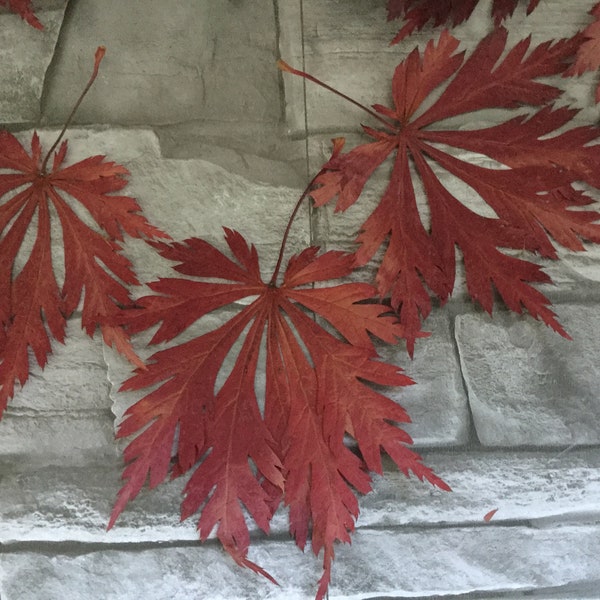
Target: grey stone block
(526,384)
(55,503)
(258,155)
(26,54)
(202,60)
(62,438)
(195,198)
(535,487)
(383,562)
(464,560)
(73,381)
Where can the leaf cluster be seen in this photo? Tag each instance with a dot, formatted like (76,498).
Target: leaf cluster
(311,435)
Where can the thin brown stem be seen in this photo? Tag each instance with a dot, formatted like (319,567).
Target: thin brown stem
(100,52)
(286,233)
(288,69)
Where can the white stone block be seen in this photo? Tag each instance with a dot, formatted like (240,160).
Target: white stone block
(526,384)
(74,502)
(382,562)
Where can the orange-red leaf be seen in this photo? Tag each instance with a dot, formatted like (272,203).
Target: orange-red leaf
(253,451)
(490,515)
(530,190)
(41,205)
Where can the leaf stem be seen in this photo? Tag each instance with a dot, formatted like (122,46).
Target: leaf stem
(288,69)
(288,228)
(100,52)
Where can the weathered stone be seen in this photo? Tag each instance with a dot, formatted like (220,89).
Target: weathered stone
(254,151)
(288,169)
(26,55)
(53,503)
(537,487)
(465,560)
(64,437)
(73,381)
(384,562)
(167,66)
(437,404)
(526,384)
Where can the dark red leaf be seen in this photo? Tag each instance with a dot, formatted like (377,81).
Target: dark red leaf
(252,452)
(33,308)
(530,191)
(417,13)
(588,54)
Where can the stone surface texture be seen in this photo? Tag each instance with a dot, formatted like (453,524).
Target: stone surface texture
(526,384)
(504,410)
(26,56)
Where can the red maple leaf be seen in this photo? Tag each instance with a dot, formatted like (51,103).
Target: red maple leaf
(32,307)
(291,449)
(532,198)
(417,13)
(588,54)
(24,9)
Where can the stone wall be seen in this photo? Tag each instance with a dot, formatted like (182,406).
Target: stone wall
(190,101)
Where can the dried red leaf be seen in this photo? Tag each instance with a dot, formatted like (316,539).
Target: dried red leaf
(33,309)
(531,194)
(24,9)
(417,13)
(315,395)
(588,54)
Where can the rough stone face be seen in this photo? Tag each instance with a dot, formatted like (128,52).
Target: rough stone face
(52,503)
(385,562)
(73,381)
(526,384)
(26,55)
(63,437)
(206,63)
(195,198)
